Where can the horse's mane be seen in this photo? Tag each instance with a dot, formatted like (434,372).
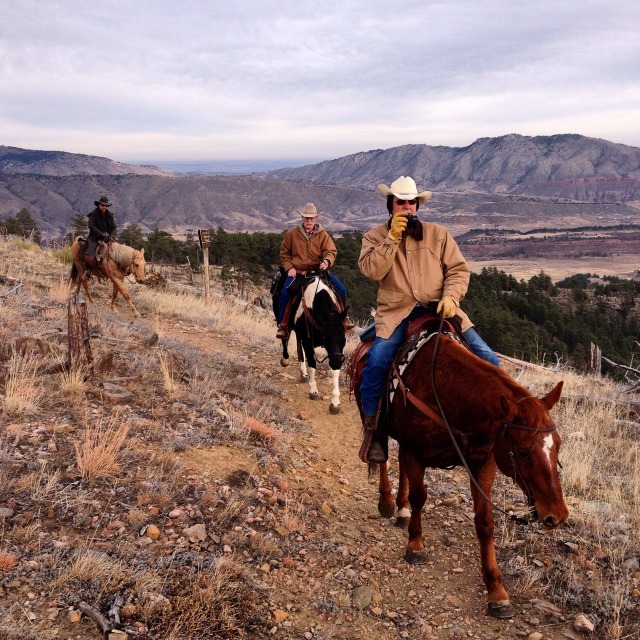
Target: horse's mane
(121,254)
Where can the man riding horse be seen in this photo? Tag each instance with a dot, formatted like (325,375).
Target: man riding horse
(102,228)
(305,248)
(415,263)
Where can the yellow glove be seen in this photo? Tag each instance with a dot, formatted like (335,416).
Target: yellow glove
(448,306)
(398,224)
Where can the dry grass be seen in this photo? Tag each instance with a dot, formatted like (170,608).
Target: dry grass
(97,454)
(169,382)
(218,603)
(92,566)
(265,434)
(8,562)
(23,391)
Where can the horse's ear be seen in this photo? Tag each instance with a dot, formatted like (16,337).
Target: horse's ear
(553,396)
(142,252)
(508,408)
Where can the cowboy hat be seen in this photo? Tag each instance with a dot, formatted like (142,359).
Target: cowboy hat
(308,211)
(103,200)
(404,188)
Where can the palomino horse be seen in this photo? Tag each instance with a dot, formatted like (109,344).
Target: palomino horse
(319,322)
(449,408)
(119,261)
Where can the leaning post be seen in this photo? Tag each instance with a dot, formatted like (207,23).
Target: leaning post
(79,347)
(204,236)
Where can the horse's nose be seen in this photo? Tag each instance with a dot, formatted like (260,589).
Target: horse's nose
(551,522)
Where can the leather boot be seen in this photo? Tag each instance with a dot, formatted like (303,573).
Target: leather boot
(283,332)
(283,326)
(376,450)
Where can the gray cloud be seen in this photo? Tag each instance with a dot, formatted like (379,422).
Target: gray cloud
(158,80)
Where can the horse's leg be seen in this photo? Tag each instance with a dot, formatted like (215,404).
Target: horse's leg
(284,360)
(118,286)
(403,512)
(385,499)
(334,406)
(304,374)
(497,596)
(311,363)
(415,553)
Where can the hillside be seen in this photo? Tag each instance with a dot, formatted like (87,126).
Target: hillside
(235,507)
(561,166)
(512,182)
(61,163)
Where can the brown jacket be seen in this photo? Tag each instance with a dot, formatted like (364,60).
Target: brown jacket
(303,254)
(413,271)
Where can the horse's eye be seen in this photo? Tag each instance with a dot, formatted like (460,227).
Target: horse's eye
(525,454)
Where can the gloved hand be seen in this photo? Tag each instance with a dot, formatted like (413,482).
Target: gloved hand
(324,265)
(398,225)
(448,306)
(105,237)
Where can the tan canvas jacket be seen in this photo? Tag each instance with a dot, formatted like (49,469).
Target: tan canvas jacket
(413,271)
(303,254)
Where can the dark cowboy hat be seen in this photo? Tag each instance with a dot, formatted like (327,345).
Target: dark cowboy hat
(103,200)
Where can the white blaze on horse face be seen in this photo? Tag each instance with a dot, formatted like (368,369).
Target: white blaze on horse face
(547,445)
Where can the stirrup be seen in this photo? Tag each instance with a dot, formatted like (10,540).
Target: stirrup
(376,453)
(282,333)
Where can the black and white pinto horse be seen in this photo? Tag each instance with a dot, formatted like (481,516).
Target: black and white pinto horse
(318,322)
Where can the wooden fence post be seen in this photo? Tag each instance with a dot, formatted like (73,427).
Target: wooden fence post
(204,236)
(595,360)
(79,352)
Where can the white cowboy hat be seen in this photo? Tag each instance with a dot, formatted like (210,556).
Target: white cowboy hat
(404,188)
(308,211)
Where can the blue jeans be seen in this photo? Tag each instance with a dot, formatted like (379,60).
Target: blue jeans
(285,296)
(383,351)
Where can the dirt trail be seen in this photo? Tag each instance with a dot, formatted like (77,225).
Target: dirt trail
(346,576)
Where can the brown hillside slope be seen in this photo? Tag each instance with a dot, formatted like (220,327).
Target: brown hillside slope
(237,507)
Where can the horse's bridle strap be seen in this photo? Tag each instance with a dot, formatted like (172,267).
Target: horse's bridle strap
(415,401)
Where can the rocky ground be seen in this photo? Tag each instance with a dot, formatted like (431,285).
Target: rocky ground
(239,507)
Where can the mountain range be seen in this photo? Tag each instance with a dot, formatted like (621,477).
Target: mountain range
(512,181)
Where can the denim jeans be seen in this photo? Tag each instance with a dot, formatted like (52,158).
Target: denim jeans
(285,296)
(383,351)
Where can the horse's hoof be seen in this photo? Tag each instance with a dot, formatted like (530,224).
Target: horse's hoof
(314,396)
(416,557)
(284,362)
(501,609)
(385,511)
(334,409)
(304,378)
(402,523)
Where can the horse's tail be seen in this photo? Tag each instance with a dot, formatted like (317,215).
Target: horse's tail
(73,276)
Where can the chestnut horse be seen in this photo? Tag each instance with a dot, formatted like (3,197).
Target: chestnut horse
(450,408)
(118,262)
(319,322)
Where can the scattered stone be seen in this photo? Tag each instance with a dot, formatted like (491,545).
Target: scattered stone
(74,616)
(582,623)
(152,532)
(175,513)
(6,512)
(326,509)
(196,533)
(456,602)
(361,597)
(536,635)
(279,615)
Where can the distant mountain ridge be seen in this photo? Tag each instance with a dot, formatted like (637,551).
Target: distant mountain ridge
(566,165)
(62,163)
(513,181)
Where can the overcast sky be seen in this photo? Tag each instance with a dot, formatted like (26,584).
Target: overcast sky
(156,80)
